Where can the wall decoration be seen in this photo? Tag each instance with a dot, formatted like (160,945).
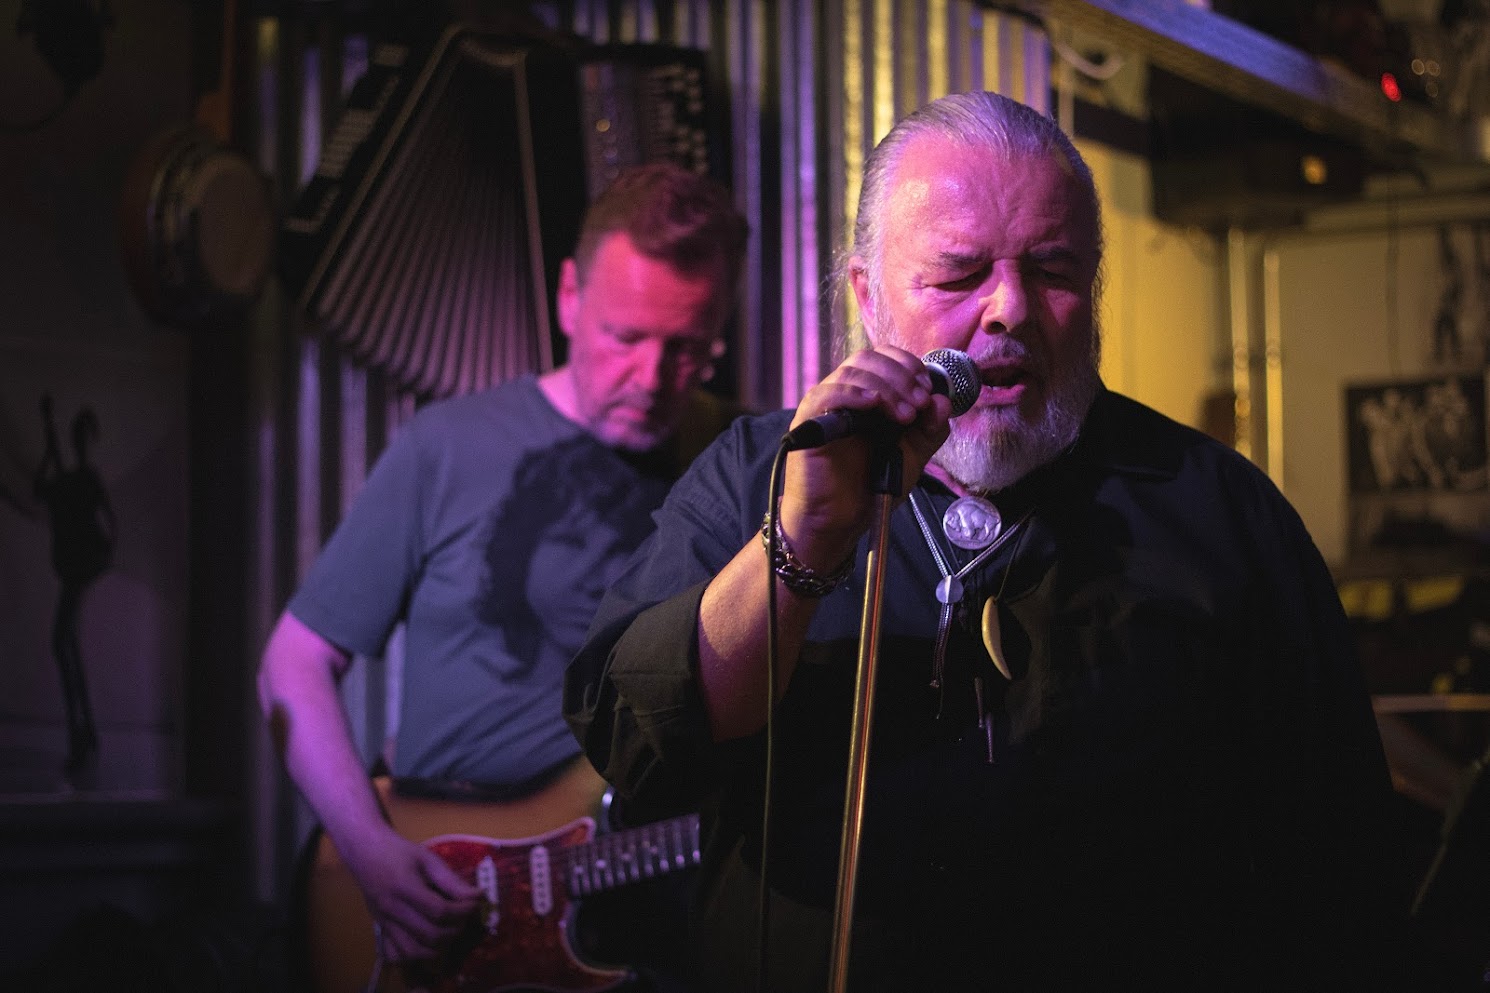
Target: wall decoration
(1417,465)
(94,515)
(83,531)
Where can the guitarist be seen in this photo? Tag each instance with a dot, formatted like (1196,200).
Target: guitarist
(489,529)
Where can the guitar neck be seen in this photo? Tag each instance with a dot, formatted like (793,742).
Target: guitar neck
(630,856)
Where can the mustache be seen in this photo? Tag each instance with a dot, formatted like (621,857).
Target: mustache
(1007,350)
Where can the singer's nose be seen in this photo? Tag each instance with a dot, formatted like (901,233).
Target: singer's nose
(1006,306)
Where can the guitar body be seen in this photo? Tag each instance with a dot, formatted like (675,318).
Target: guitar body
(520,939)
(513,942)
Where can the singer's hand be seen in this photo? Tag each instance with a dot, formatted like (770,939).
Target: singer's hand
(826,506)
(826,502)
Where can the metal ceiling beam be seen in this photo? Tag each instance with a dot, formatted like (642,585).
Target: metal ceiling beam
(1242,63)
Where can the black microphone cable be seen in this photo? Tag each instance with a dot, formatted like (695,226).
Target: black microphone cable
(773,550)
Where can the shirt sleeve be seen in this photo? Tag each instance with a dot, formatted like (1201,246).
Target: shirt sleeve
(631,694)
(1323,833)
(357,588)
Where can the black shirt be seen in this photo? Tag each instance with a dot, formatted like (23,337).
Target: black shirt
(1186,781)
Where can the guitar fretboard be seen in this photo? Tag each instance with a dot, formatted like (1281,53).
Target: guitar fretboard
(633,855)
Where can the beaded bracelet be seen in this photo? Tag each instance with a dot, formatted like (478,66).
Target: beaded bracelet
(795,574)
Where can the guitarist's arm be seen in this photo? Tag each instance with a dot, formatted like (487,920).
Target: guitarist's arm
(410,891)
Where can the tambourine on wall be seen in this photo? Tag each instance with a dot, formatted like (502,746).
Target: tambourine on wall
(196,229)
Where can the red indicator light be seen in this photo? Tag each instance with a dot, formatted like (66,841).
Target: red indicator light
(1390,88)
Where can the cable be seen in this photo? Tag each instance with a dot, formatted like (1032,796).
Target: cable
(1101,72)
(1394,361)
(763,902)
(1072,59)
(1390,288)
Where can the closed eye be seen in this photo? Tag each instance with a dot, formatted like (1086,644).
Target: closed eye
(1057,266)
(962,284)
(625,337)
(1056,277)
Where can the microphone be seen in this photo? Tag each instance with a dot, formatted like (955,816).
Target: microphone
(953,375)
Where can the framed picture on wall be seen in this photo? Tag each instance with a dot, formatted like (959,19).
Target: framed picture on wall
(1417,464)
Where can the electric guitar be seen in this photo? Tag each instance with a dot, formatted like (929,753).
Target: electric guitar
(533,860)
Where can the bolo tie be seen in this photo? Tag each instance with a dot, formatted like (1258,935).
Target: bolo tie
(973,524)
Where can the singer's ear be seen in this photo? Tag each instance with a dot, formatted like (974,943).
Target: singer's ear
(567,297)
(858,278)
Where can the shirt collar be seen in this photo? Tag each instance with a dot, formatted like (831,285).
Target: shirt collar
(1117,436)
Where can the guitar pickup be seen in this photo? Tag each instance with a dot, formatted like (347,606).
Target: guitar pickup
(541,879)
(486,879)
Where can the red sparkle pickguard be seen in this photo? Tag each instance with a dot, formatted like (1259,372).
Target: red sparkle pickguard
(526,950)
(524,947)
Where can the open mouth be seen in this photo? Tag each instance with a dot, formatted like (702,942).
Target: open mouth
(1002,376)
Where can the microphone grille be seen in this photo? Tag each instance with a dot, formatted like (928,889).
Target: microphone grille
(963,383)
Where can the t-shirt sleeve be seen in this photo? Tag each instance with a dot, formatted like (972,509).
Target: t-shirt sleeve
(355,591)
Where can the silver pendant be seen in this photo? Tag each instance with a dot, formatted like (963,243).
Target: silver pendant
(949,590)
(972,523)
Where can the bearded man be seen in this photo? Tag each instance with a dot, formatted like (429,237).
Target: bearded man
(1120,737)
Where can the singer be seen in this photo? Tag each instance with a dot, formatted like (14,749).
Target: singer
(1121,740)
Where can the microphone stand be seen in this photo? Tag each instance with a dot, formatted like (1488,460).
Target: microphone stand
(886,483)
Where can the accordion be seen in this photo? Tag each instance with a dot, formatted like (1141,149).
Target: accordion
(427,243)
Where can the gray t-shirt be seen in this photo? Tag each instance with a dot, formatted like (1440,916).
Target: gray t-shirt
(492,525)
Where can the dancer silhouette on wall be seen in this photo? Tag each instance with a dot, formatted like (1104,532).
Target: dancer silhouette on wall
(83,530)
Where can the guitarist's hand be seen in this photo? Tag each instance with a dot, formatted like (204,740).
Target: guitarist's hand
(418,901)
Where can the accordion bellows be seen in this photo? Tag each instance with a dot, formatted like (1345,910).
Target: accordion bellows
(427,243)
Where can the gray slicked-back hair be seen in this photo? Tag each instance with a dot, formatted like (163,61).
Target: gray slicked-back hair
(976,119)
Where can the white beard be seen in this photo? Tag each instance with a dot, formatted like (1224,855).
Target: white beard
(991,448)
(994,447)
